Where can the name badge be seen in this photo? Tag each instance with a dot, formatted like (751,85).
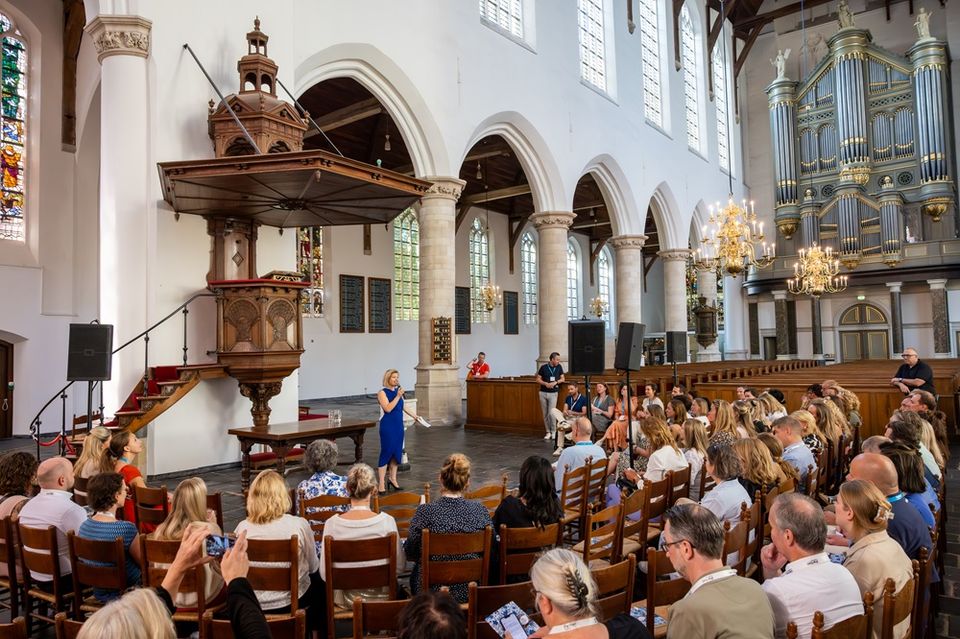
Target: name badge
(552,379)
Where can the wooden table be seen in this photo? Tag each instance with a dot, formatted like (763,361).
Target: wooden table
(282,437)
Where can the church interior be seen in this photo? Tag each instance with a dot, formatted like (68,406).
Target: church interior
(307,246)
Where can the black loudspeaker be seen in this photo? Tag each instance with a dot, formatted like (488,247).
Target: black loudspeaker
(629,347)
(586,347)
(676,347)
(90,352)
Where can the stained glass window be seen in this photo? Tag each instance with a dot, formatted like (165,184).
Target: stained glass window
(573,281)
(528,278)
(691,88)
(479,271)
(590,20)
(406,266)
(13,114)
(650,57)
(310,265)
(723,105)
(506,14)
(605,285)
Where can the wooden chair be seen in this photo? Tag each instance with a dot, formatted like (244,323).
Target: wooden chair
(856,627)
(40,553)
(813,483)
(80,490)
(573,499)
(274,565)
(520,547)
(735,541)
(615,587)
(483,600)
(707,483)
(445,572)
(151,507)
(602,540)
(679,484)
(921,606)
(596,483)
(317,510)
(490,495)
(751,553)
(661,593)
(67,628)
(156,557)
(380,619)
(292,626)
(658,496)
(17,629)
(215,503)
(897,606)
(400,506)
(635,523)
(95,564)
(340,559)
(8,557)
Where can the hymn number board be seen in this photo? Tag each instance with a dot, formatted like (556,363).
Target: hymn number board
(351,304)
(462,310)
(380,310)
(511,313)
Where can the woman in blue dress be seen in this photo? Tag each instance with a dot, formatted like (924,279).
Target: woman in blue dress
(391,428)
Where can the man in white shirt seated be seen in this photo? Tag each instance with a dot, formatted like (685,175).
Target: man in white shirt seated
(799,577)
(54,506)
(575,456)
(790,433)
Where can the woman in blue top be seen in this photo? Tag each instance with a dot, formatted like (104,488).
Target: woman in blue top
(391,428)
(106,493)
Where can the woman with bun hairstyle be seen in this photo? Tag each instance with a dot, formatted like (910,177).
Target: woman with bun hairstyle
(123,448)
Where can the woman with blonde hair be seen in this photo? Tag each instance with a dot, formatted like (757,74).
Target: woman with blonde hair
(676,411)
(862,513)
(776,454)
(665,455)
(743,414)
(139,614)
(91,457)
(189,510)
(700,409)
(694,446)
(772,407)
(390,398)
(758,470)
(813,438)
(725,424)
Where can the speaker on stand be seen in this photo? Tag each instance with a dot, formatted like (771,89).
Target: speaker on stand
(676,350)
(89,359)
(629,357)
(586,339)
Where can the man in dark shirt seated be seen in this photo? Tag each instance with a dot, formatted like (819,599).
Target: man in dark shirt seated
(913,374)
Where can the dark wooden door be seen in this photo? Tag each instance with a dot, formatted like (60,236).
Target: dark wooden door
(6,394)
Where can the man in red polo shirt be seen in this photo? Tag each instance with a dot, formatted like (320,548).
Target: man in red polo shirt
(478,367)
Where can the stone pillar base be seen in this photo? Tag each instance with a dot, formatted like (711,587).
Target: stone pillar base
(708,356)
(438,394)
(736,355)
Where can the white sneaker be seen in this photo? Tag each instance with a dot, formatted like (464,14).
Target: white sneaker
(569,437)
(548,436)
(557,452)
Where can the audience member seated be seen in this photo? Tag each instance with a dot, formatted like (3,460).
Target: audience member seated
(759,472)
(615,438)
(724,500)
(862,513)
(650,398)
(433,615)
(566,596)
(124,446)
(320,459)
(360,522)
(925,405)
(743,413)
(720,604)
(676,411)
(95,446)
(601,411)
(813,392)
(18,475)
(813,438)
(453,514)
(928,439)
(700,410)
(772,407)
(907,431)
(787,430)
(268,517)
(724,422)
(917,422)
(692,437)
(830,422)
(913,374)
(575,456)
(188,512)
(873,443)
(776,454)
(106,493)
(664,456)
(916,489)
(536,503)
(799,577)
(54,506)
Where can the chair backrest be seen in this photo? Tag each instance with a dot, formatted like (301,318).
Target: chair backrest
(17,629)
(707,482)
(679,484)
(400,506)
(602,534)
(341,556)
(813,482)
(97,564)
(274,577)
(376,618)
(157,555)
(292,626)
(897,606)
(8,548)
(754,525)
(596,481)
(40,552)
(635,522)
(573,490)
(921,606)
(658,497)
(152,506)
(519,548)
(317,510)
(490,495)
(735,541)
(483,600)
(615,587)
(855,627)
(661,592)
(436,571)
(67,628)
(80,486)
(215,503)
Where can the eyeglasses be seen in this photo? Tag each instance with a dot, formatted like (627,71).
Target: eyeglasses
(908,355)
(667,544)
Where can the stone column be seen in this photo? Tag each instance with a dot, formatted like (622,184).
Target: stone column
(438,389)
(941,317)
(896,317)
(675,289)
(783,335)
(734,319)
(552,277)
(707,289)
(816,327)
(628,257)
(127,179)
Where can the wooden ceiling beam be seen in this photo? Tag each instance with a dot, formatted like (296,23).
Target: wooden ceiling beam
(746,25)
(718,25)
(498,194)
(347,115)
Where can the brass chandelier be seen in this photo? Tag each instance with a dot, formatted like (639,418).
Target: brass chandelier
(490,296)
(599,307)
(731,239)
(816,273)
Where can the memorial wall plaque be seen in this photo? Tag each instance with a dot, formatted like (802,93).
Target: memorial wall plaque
(511,313)
(351,304)
(442,340)
(380,305)
(462,307)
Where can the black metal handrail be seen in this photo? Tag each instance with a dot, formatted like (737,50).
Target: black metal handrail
(36,422)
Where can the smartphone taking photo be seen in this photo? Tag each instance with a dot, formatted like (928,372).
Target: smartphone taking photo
(217,545)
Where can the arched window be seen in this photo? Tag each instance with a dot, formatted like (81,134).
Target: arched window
(605,284)
(310,265)
(406,266)
(573,280)
(528,278)
(13,117)
(691,87)
(650,59)
(723,105)
(590,20)
(479,271)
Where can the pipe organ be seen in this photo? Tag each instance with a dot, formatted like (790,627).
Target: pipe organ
(864,135)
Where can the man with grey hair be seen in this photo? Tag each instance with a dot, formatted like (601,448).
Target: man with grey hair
(720,603)
(872,444)
(575,456)
(799,577)
(913,374)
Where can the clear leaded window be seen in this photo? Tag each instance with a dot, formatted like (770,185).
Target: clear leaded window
(573,281)
(691,90)
(479,271)
(605,284)
(592,63)
(406,266)
(723,106)
(650,52)
(528,278)
(505,14)
(310,265)
(13,115)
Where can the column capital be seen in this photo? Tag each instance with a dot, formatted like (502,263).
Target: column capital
(555,219)
(627,241)
(936,285)
(779,295)
(894,286)
(448,188)
(674,255)
(120,35)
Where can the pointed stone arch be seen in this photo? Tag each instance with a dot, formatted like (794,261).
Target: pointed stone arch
(613,183)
